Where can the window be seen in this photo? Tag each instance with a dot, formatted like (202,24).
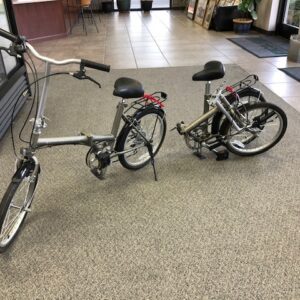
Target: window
(292,13)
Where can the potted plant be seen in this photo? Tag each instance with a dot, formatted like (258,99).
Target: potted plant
(108,6)
(247,14)
(146,5)
(123,5)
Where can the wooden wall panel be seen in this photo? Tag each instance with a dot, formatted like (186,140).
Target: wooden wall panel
(46,20)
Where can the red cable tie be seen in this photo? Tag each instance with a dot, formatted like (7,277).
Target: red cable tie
(230,89)
(154,100)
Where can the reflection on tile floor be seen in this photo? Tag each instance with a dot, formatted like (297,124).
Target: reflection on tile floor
(162,39)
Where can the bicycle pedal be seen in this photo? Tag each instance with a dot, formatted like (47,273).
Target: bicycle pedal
(222,155)
(100,174)
(199,155)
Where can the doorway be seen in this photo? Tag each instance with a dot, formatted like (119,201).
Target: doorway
(288,18)
(157,4)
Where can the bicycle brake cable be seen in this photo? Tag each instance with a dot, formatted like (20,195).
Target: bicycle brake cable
(32,105)
(12,117)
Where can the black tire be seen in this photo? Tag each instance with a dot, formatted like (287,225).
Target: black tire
(22,178)
(159,121)
(260,122)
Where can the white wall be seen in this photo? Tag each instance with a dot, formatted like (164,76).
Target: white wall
(267,14)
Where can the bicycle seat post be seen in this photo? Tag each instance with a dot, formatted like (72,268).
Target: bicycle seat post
(207,96)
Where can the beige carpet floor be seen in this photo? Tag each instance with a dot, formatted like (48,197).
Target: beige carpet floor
(206,230)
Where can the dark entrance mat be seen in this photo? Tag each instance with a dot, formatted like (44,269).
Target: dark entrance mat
(293,72)
(263,46)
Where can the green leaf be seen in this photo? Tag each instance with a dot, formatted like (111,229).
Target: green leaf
(254,15)
(251,7)
(242,7)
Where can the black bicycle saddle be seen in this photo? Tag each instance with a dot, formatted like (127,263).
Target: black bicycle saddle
(212,70)
(128,88)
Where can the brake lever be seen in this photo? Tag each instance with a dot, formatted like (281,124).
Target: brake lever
(81,75)
(93,80)
(14,49)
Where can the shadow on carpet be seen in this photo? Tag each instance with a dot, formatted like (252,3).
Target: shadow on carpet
(293,72)
(263,46)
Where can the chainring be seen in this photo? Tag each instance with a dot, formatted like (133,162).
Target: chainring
(98,159)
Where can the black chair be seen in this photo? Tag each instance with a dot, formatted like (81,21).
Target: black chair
(86,5)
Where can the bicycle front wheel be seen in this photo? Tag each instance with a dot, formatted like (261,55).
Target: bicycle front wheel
(265,125)
(16,203)
(150,124)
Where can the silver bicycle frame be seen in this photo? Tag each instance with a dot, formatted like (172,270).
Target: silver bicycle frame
(39,122)
(209,113)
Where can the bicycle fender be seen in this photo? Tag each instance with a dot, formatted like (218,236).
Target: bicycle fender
(24,169)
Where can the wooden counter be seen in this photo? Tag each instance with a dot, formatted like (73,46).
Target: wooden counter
(45,19)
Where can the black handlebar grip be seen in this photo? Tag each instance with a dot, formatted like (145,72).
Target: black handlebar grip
(9,35)
(95,65)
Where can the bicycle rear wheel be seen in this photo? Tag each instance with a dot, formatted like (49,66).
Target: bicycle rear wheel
(16,203)
(152,125)
(265,125)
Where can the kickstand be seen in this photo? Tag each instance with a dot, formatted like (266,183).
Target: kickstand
(150,149)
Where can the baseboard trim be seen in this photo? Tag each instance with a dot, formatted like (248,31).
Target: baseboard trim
(264,31)
(49,37)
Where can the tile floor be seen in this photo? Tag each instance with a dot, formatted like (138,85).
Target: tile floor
(162,39)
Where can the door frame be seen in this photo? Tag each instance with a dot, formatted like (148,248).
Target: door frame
(284,29)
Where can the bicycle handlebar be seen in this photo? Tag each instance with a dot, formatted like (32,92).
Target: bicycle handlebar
(94,65)
(83,62)
(9,36)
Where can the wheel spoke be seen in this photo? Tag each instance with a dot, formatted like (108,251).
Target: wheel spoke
(154,127)
(5,222)
(150,129)
(15,206)
(9,225)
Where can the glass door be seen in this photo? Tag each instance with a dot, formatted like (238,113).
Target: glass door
(157,4)
(289,17)
(292,13)
(161,4)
